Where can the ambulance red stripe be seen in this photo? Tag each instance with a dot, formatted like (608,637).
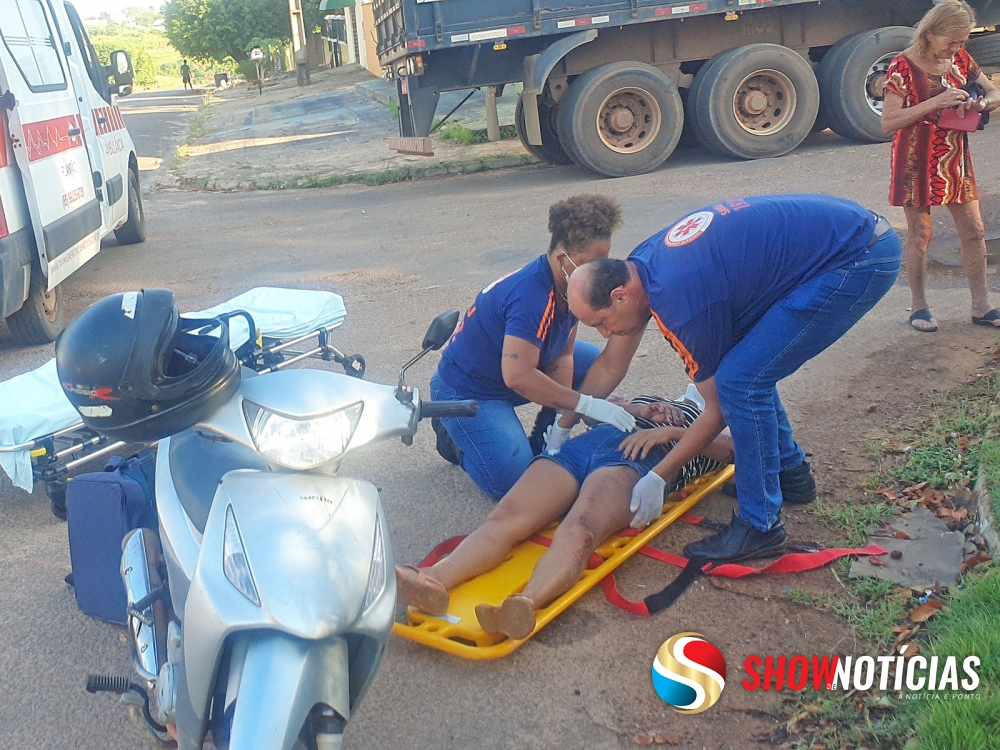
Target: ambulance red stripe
(50,137)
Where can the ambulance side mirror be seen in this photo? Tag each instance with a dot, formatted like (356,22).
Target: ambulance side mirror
(122,73)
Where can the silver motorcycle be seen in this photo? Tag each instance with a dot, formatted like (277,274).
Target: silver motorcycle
(260,611)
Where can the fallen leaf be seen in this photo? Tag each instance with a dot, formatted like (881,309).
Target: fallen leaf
(813,708)
(925,611)
(984,557)
(901,535)
(909,649)
(888,494)
(960,514)
(915,488)
(944,513)
(644,740)
(877,562)
(900,629)
(663,739)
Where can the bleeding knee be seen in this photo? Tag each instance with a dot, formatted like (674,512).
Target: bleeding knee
(578,535)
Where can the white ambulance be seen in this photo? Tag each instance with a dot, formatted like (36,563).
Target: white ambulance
(68,169)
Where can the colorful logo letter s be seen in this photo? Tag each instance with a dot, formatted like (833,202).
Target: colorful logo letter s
(689,673)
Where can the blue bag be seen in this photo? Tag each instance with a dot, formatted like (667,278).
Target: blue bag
(102,507)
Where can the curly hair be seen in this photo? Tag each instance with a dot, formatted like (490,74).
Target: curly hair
(582,219)
(945,18)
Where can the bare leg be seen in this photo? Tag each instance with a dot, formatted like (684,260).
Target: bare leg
(918,225)
(543,493)
(969,223)
(600,511)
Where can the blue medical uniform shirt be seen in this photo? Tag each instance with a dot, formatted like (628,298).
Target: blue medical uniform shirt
(712,275)
(521,304)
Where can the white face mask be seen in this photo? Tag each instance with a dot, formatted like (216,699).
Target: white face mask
(564,270)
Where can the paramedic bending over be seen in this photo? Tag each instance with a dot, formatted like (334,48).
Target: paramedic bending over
(517,344)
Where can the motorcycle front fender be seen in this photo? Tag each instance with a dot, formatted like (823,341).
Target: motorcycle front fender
(282,679)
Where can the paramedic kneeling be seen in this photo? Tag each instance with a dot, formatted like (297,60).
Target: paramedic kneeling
(517,344)
(746,291)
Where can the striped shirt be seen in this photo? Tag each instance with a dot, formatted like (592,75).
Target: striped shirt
(697,466)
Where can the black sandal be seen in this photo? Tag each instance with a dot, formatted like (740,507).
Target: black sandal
(988,319)
(925,315)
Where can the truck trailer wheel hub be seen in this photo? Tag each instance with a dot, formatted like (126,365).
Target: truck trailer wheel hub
(629,120)
(875,82)
(764,102)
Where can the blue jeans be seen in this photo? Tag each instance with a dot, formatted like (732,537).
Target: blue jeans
(794,330)
(495,449)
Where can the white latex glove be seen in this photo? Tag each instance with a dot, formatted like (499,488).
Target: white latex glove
(555,436)
(605,411)
(647,500)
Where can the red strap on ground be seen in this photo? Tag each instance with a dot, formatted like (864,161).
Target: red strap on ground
(798,562)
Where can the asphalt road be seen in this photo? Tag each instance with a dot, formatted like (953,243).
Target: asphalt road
(400,254)
(158,121)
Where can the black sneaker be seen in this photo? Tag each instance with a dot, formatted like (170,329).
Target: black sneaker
(798,485)
(545,419)
(739,541)
(446,447)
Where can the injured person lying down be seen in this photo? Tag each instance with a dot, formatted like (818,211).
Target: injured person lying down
(589,481)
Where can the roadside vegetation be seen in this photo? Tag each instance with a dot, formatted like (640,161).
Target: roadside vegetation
(935,467)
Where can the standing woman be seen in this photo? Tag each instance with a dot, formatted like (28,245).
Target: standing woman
(517,344)
(931,163)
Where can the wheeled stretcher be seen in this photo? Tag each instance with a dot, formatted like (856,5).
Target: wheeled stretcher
(458,632)
(43,440)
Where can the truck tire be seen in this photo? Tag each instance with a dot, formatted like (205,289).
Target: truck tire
(704,72)
(851,75)
(620,119)
(550,150)
(133,230)
(985,49)
(757,101)
(40,318)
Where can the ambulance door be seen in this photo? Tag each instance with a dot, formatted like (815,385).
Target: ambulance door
(107,137)
(46,133)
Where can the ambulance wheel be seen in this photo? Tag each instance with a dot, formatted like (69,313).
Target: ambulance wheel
(40,318)
(133,230)
(621,119)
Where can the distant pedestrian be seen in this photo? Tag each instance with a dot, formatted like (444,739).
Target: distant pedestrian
(186,75)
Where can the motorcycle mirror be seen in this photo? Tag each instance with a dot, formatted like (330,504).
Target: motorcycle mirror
(438,333)
(440,330)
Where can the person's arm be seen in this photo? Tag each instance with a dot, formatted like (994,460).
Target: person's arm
(519,366)
(560,369)
(607,371)
(895,116)
(641,442)
(696,438)
(990,101)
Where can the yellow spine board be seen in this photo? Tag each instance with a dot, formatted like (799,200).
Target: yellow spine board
(457,632)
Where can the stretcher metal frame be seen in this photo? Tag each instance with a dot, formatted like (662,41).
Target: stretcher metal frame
(457,632)
(56,455)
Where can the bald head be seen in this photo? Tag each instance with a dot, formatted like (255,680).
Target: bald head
(607,294)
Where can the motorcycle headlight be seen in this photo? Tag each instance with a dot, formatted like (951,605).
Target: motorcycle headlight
(376,576)
(301,443)
(234,559)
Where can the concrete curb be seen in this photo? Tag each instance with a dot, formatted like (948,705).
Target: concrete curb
(987,521)
(373,178)
(375,90)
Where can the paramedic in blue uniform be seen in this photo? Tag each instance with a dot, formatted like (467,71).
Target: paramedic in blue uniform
(746,291)
(517,344)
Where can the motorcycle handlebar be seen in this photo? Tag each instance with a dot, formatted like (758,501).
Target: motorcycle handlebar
(448,409)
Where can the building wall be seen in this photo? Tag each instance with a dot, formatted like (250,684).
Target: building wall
(366,36)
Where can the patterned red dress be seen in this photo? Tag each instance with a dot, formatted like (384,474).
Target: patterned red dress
(931,166)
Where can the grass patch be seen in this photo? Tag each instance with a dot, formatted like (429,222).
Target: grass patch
(457,133)
(970,626)
(853,518)
(989,460)
(871,607)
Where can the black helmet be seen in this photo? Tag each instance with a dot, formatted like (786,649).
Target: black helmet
(137,371)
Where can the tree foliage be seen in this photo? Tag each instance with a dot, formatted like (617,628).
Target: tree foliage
(135,44)
(215,29)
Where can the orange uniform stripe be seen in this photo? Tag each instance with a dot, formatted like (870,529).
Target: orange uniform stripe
(677,346)
(547,317)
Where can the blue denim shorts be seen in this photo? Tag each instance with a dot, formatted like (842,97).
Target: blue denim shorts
(596,449)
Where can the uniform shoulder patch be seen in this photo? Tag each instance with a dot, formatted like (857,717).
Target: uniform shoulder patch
(688,229)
